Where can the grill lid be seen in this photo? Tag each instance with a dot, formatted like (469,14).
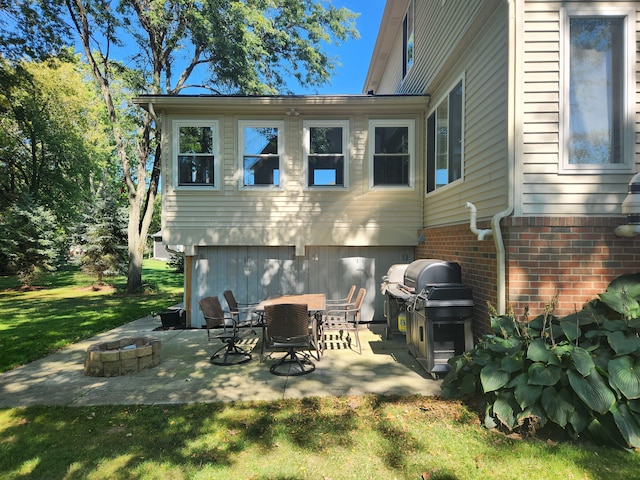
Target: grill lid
(395,274)
(426,272)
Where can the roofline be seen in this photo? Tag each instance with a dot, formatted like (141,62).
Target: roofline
(392,18)
(203,102)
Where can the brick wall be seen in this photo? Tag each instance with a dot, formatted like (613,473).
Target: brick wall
(575,258)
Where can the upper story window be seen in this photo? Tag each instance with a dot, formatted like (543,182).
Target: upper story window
(261,149)
(598,90)
(444,140)
(326,152)
(392,153)
(407,39)
(196,153)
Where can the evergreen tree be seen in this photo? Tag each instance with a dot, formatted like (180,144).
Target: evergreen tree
(104,236)
(29,241)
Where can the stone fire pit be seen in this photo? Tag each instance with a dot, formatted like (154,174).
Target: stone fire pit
(122,357)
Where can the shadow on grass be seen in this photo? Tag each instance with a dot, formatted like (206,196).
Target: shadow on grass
(350,437)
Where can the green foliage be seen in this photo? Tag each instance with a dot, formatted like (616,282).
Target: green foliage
(580,372)
(53,136)
(105,237)
(29,240)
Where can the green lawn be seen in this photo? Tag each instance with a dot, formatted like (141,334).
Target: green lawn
(369,437)
(63,308)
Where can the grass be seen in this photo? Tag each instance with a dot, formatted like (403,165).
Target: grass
(65,307)
(330,438)
(369,437)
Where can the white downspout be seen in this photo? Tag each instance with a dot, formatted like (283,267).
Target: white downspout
(510,175)
(512,121)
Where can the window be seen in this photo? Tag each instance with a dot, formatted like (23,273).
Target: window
(444,140)
(407,39)
(196,146)
(598,80)
(326,152)
(392,147)
(261,151)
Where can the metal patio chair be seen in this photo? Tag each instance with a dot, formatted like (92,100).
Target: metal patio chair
(344,320)
(343,301)
(241,312)
(230,353)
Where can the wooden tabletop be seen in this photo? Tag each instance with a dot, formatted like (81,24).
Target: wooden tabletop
(316,302)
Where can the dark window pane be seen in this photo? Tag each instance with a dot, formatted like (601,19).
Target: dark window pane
(391,170)
(455,133)
(325,140)
(392,140)
(262,170)
(195,170)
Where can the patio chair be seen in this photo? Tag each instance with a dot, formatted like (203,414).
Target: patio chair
(240,312)
(344,320)
(230,353)
(287,327)
(343,301)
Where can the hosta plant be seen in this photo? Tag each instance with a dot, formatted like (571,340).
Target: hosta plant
(580,372)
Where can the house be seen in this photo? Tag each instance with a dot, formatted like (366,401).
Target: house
(500,134)
(160,250)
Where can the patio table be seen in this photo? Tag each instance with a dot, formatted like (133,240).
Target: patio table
(316,304)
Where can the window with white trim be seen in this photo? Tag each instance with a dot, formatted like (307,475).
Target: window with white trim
(326,153)
(261,149)
(407,39)
(196,160)
(391,143)
(598,85)
(445,149)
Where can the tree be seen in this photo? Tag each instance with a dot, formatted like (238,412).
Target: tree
(32,29)
(29,240)
(104,238)
(243,46)
(53,135)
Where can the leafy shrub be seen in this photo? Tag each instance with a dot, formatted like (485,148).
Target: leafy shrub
(580,372)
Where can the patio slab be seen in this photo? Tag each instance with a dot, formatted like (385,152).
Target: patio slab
(186,376)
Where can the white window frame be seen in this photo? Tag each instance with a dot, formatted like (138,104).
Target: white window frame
(628,96)
(279,124)
(445,98)
(411,126)
(306,132)
(213,124)
(408,39)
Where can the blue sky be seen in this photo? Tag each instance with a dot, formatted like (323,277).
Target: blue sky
(354,55)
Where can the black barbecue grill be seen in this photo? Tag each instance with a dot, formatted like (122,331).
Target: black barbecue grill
(440,308)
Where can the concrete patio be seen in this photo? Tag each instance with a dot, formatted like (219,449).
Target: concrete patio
(185,375)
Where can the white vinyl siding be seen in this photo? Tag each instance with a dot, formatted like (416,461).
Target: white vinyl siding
(484,70)
(295,215)
(544,187)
